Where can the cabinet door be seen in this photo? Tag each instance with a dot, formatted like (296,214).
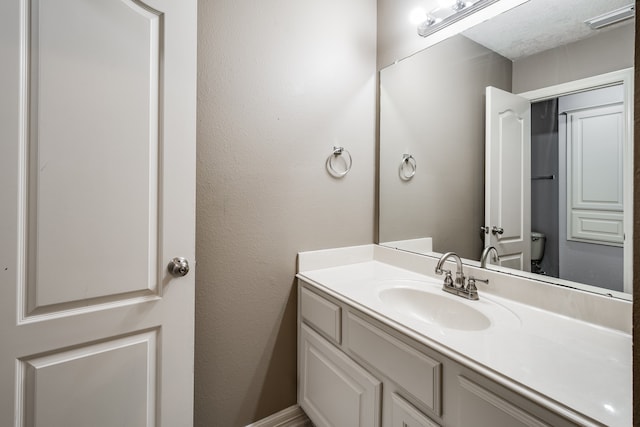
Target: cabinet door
(334,390)
(405,415)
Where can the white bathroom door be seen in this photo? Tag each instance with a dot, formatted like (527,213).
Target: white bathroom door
(97,131)
(508,177)
(595,164)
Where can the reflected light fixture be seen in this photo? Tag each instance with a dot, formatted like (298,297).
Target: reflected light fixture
(448,12)
(459,5)
(613,17)
(417,16)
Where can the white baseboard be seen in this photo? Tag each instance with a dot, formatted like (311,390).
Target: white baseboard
(292,416)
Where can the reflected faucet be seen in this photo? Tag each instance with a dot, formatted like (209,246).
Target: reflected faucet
(485,255)
(458,287)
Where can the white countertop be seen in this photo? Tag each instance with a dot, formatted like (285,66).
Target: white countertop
(554,360)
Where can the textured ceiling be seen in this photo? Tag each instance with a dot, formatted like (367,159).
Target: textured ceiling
(539,25)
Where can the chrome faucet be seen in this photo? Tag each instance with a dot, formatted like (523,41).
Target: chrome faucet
(485,255)
(457,287)
(459,283)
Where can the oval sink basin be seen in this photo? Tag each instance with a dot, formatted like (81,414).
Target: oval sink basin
(441,310)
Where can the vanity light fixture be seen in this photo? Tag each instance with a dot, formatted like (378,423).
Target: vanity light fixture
(459,5)
(613,17)
(449,12)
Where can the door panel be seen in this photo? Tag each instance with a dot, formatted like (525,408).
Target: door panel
(93,166)
(127,365)
(508,177)
(514,261)
(596,147)
(97,129)
(595,157)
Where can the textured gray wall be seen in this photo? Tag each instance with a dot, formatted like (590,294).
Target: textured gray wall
(279,83)
(609,51)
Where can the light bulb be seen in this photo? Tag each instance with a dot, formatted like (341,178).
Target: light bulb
(418,16)
(459,5)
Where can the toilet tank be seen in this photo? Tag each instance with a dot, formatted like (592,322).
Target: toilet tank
(537,245)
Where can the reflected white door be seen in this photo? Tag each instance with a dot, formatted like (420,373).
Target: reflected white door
(508,177)
(595,164)
(97,130)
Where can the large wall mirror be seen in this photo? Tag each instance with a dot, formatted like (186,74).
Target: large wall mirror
(516,133)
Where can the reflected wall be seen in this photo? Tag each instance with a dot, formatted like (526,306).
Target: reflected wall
(432,107)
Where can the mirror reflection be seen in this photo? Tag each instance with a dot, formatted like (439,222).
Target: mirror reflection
(516,134)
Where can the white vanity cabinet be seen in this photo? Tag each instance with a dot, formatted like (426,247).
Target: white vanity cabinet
(334,390)
(355,370)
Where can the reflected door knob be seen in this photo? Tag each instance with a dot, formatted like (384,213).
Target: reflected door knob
(178,267)
(497,230)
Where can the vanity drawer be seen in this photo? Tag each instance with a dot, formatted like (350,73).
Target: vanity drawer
(321,314)
(412,371)
(482,408)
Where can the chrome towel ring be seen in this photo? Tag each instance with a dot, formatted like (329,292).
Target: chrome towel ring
(337,152)
(408,167)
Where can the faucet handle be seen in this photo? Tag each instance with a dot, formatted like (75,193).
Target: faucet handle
(471,282)
(448,279)
(470,291)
